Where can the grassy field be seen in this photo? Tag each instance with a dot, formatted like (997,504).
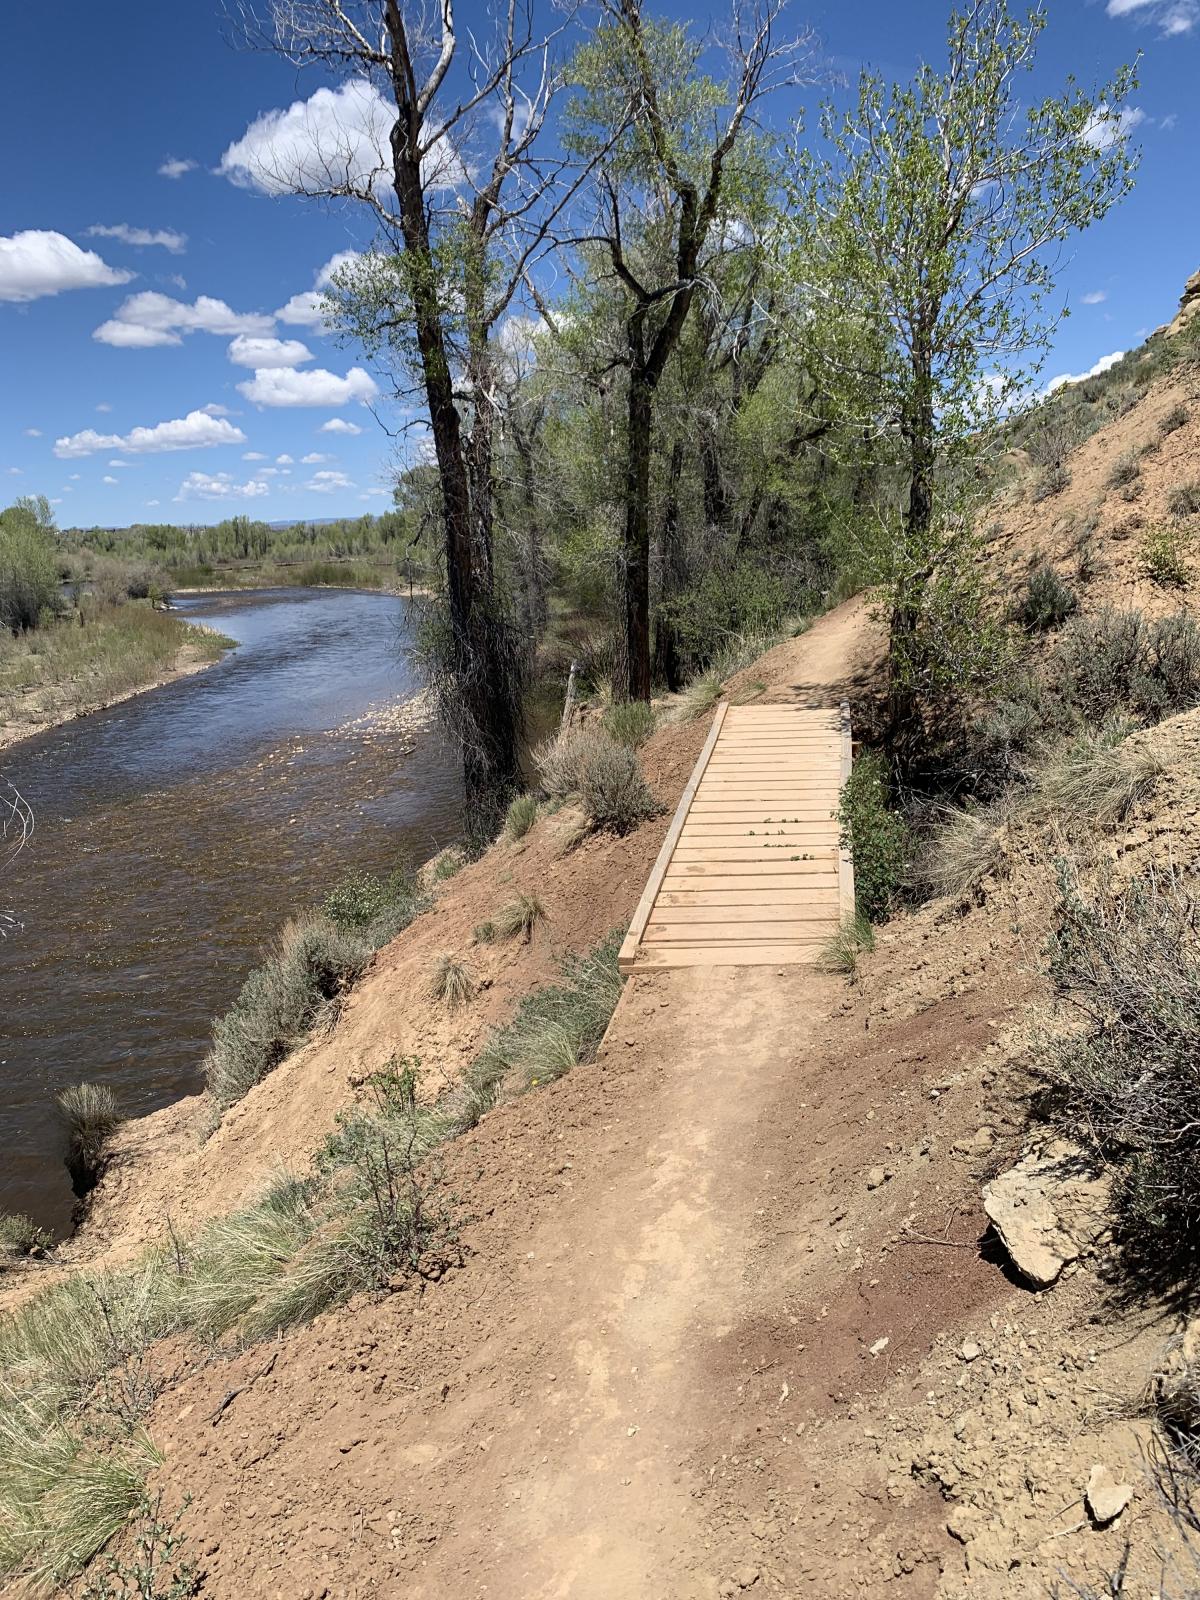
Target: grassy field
(90,659)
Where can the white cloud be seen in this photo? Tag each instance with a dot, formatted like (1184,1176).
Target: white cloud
(254,455)
(110,480)
(118,463)
(219,486)
(215,409)
(173,167)
(285,461)
(104,406)
(166,237)
(263,353)
(1096,298)
(151,502)
(75,476)
(307,309)
(339,425)
(1093,372)
(328,482)
(196,431)
(36,263)
(1172,17)
(267,472)
(371,494)
(151,318)
(314,459)
(33,433)
(336,139)
(1107,127)
(15,472)
(287,387)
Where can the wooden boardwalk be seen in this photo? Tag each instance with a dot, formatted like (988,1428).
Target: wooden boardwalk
(750,873)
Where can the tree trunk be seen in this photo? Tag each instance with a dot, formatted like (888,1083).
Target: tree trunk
(667,667)
(919,431)
(716,507)
(637,536)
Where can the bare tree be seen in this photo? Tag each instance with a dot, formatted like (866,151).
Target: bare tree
(464,204)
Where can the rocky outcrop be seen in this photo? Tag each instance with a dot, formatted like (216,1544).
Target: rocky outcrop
(1048,1210)
(1189,307)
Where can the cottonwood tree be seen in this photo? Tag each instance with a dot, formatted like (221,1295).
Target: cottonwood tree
(440,140)
(925,247)
(665,190)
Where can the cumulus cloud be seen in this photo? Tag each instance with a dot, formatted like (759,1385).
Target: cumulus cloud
(110,480)
(254,455)
(173,167)
(219,486)
(314,459)
(151,318)
(328,482)
(287,387)
(1096,298)
(196,431)
(307,309)
(285,461)
(339,425)
(118,463)
(1107,127)
(166,237)
(1093,372)
(338,138)
(1171,17)
(33,433)
(36,263)
(259,353)
(215,409)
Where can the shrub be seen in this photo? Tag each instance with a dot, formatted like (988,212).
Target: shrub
(521,816)
(1116,660)
(629,722)
(1162,558)
(20,1236)
(842,950)
(1096,778)
(312,964)
(560,761)
(967,846)
(450,982)
(1047,603)
(1125,470)
(880,841)
(28,569)
(1184,500)
(1123,1081)
(1175,419)
(484,933)
(91,1115)
(1049,482)
(370,900)
(613,791)
(520,916)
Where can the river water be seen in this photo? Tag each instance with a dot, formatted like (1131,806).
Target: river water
(177,831)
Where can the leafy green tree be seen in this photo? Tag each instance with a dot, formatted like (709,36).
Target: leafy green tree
(28,563)
(924,247)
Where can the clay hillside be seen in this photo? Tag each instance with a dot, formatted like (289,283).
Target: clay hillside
(793,1284)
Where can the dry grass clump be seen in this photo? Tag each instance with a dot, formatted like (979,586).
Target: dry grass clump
(1126,470)
(519,916)
(1184,500)
(91,1115)
(1096,778)
(629,722)
(302,981)
(560,761)
(1175,419)
(451,983)
(20,1236)
(967,846)
(521,816)
(614,794)
(841,951)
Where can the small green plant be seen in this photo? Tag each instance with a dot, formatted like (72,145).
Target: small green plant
(156,1568)
(629,722)
(448,863)
(1175,419)
(1184,500)
(841,952)
(451,983)
(613,792)
(1047,602)
(484,933)
(1050,481)
(521,816)
(519,916)
(91,1115)
(1126,470)
(20,1236)
(362,900)
(879,840)
(1162,557)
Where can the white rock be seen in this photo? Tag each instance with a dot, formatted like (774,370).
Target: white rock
(1047,1209)
(1106,1498)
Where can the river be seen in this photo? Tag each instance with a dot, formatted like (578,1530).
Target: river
(176,832)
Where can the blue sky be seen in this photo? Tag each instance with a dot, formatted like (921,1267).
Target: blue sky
(153,372)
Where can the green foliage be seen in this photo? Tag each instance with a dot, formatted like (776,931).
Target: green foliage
(156,1569)
(1163,558)
(337,575)
(28,565)
(92,1117)
(521,815)
(1184,500)
(374,903)
(612,790)
(880,841)
(312,964)
(1047,602)
(842,951)
(20,1236)
(1117,660)
(629,722)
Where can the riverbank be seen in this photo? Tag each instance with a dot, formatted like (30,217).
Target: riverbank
(79,665)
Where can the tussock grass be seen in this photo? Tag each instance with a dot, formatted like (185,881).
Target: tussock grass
(521,816)
(484,933)
(92,1117)
(308,970)
(451,983)
(20,1236)
(701,694)
(613,792)
(967,846)
(841,951)
(519,916)
(630,722)
(1184,500)
(1095,778)
(560,761)
(1125,470)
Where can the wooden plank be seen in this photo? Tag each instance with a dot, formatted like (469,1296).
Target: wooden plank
(824,858)
(651,957)
(741,829)
(642,914)
(659,933)
(734,917)
(845,863)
